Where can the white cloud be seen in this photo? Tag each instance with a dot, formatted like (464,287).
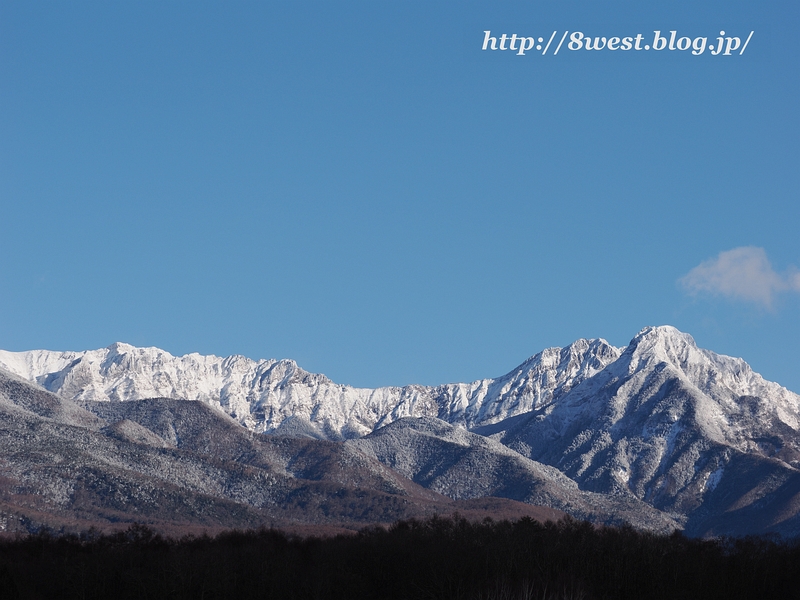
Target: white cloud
(743,274)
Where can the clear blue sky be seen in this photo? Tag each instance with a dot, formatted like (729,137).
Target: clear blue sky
(359,187)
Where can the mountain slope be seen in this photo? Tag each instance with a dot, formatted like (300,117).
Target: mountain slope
(460,464)
(181,463)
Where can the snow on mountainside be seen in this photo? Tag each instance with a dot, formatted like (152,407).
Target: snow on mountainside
(674,425)
(660,425)
(181,464)
(460,464)
(270,395)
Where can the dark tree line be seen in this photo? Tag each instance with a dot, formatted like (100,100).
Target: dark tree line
(438,558)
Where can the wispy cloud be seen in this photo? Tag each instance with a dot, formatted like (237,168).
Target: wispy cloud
(743,274)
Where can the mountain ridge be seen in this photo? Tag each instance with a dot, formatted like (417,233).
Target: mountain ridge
(662,431)
(262,394)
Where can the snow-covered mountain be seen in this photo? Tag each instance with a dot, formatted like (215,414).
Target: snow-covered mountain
(675,426)
(267,395)
(661,424)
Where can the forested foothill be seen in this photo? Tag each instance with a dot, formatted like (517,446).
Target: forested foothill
(436,558)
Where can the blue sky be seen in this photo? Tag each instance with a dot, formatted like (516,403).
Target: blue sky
(359,187)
